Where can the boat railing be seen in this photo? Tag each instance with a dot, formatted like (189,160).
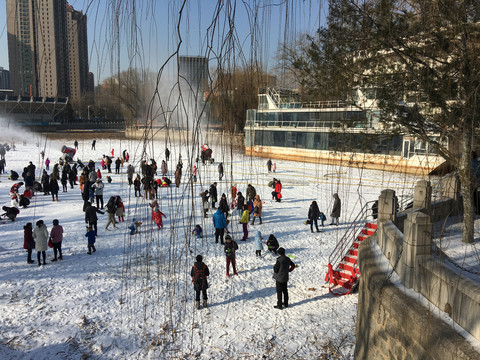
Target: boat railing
(310,124)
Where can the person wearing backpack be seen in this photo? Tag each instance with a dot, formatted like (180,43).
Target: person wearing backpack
(230,249)
(199,275)
(111,209)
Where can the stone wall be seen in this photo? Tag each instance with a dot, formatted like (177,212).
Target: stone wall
(392,325)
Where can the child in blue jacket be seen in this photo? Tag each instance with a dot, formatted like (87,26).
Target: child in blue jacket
(91,240)
(197,231)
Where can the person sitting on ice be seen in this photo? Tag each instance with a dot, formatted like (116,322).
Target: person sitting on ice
(166,182)
(272,244)
(10,212)
(23,201)
(158,218)
(13,175)
(197,231)
(134,226)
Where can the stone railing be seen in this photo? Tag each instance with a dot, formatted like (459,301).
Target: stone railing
(390,322)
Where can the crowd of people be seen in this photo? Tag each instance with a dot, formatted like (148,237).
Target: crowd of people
(147,181)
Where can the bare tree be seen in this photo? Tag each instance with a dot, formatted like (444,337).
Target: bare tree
(422,60)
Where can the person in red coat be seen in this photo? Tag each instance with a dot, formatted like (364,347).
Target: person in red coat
(158,218)
(28,242)
(277,193)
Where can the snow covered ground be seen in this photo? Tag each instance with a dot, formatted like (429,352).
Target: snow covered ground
(133,298)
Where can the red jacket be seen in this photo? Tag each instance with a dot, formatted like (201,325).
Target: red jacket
(157,216)
(278,187)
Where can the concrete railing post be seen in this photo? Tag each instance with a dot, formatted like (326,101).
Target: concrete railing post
(416,241)
(451,187)
(387,206)
(422,196)
(387,211)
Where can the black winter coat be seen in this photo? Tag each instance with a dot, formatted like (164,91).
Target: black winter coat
(213,192)
(53,186)
(46,182)
(281,269)
(313,212)
(91,213)
(223,205)
(240,202)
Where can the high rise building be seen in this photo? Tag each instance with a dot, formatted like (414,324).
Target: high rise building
(77,52)
(4,78)
(38,47)
(193,70)
(91,82)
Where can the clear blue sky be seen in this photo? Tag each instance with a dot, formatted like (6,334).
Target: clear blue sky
(155,37)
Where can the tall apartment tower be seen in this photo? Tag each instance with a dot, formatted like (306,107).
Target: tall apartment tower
(4,78)
(77,52)
(38,47)
(194,71)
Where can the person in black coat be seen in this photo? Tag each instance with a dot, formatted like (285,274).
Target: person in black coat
(137,183)
(240,203)
(10,212)
(64,181)
(45,183)
(213,194)
(54,188)
(272,244)
(313,215)
(118,162)
(220,171)
(72,177)
(199,275)
(91,216)
(13,175)
(223,205)
(280,273)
